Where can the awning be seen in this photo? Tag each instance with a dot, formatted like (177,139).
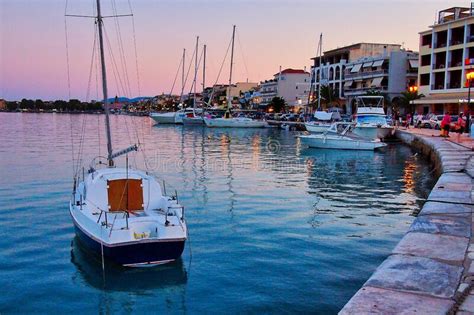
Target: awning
(356,68)
(348,83)
(367,64)
(452,98)
(319,115)
(377,82)
(349,67)
(413,63)
(377,63)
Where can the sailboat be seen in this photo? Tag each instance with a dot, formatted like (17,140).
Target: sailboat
(170,117)
(193,118)
(124,214)
(227,121)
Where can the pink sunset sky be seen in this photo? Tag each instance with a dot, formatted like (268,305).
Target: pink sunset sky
(269,34)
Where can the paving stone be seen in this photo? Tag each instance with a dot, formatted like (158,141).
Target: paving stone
(450,196)
(471,268)
(417,274)
(438,246)
(450,186)
(455,226)
(446,209)
(457,178)
(464,313)
(462,287)
(468,304)
(371,300)
(470,248)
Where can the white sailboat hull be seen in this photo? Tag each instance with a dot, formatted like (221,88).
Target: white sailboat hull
(339,142)
(163,118)
(234,123)
(193,121)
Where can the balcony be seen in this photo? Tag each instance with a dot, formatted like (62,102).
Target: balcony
(363,75)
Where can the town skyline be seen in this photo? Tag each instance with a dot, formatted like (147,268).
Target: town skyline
(269,35)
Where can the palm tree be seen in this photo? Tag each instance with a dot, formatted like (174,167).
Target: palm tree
(278,104)
(407,101)
(329,96)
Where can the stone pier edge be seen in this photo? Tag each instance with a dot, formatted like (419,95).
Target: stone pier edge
(431,270)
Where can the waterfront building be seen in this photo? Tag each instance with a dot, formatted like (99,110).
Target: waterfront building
(330,71)
(446,59)
(388,74)
(289,84)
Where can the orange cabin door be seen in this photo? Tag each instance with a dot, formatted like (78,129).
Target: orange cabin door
(125,194)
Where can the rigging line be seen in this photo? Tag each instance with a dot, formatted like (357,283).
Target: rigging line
(195,79)
(243,56)
(91,65)
(69,85)
(135,46)
(176,76)
(123,61)
(187,74)
(220,71)
(114,64)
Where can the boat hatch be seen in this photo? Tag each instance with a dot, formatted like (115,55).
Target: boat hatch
(125,194)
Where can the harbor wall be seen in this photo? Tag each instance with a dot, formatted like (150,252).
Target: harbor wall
(431,270)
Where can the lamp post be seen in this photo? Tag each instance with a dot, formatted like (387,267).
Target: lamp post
(413,89)
(469,77)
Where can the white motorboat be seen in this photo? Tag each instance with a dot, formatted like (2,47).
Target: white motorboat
(164,118)
(322,122)
(121,213)
(339,136)
(237,122)
(370,118)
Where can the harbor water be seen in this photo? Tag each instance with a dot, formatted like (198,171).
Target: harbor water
(273,227)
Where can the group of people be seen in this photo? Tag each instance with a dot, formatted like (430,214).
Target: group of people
(459,126)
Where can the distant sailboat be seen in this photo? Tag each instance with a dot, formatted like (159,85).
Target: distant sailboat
(122,213)
(227,121)
(193,118)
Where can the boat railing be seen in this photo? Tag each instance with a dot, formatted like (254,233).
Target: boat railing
(126,215)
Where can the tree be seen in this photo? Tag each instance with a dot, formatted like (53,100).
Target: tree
(407,101)
(329,96)
(278,104)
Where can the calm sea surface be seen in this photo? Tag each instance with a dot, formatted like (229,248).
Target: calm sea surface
(274,227)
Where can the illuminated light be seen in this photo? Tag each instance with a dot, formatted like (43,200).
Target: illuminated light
(470,75)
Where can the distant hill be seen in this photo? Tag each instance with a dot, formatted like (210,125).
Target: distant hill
(123,99)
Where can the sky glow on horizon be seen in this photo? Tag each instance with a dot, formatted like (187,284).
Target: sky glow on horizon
(269,34)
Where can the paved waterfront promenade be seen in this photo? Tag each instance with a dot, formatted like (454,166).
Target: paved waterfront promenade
(431,270)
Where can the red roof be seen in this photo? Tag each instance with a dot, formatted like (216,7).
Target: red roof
(289,70)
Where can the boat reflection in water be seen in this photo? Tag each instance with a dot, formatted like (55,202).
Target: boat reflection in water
(118,278)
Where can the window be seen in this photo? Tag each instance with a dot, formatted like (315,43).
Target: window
(425,79)
(425,60)
(426,40)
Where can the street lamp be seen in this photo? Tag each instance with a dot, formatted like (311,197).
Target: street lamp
(413,89)
(469,77)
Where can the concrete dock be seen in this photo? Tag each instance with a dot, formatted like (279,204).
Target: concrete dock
(431,270)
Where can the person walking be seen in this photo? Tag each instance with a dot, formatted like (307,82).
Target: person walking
(460,126)
(408,121)
(445,125)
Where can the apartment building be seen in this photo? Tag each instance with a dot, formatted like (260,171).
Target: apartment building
(290,84)
(333,63)
(446,58)
(389,74)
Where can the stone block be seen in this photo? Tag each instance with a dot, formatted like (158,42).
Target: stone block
(443,247)
(455,226)
(446,209)
(450,196)
(370,300)
(417,274)
(468,304)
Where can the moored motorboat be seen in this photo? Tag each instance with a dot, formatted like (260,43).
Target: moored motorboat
(339,136)
(237,122)
(370,118)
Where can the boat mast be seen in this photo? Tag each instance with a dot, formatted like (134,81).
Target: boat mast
(320,69)
(195,75)
(104,87)
(182,77)
(229,101)
(204,70)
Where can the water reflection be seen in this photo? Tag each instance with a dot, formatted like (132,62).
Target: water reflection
(118,278)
